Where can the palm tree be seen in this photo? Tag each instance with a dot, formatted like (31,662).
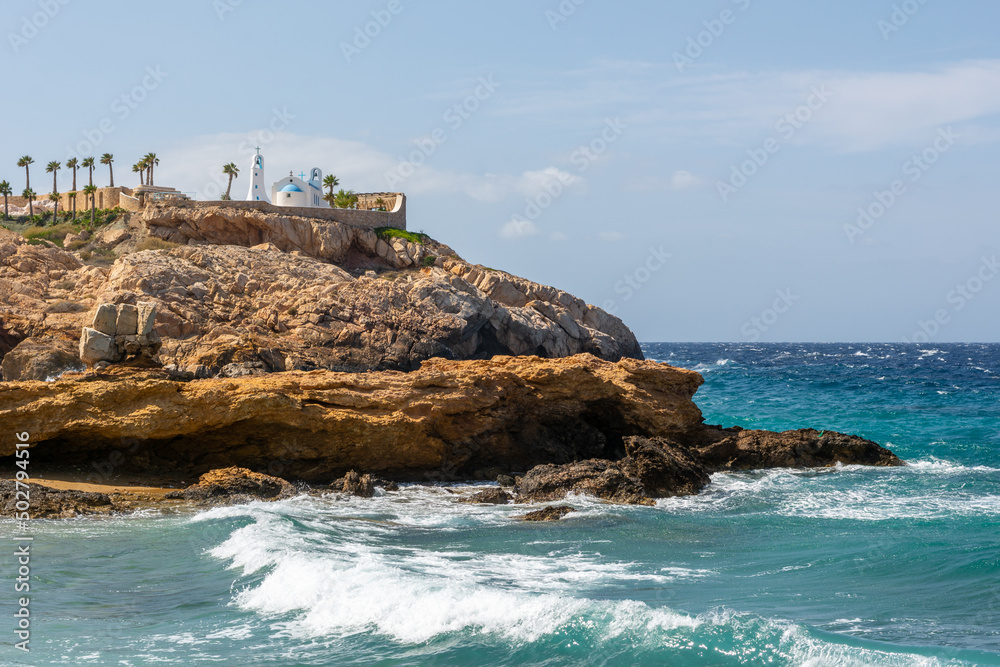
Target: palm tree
(331,182)
(25,162)
(73,164)
(109,159)
(72,198)
(232,171)
(151,161)
(29,194)
(345,199)
(90,191)
(380,203)
(6,192)
(53,168)
(140,168)
(88,163)
(54,198)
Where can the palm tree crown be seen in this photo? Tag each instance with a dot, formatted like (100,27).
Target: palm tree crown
(109,159)
(331,182)
(88,163)
(73,164)
(345,199)
(151,161)
(232,171)
(53,168)
(25,162)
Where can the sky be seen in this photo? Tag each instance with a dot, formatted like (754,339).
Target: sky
(722,170)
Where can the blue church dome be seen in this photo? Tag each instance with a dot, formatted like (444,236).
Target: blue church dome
(291,187)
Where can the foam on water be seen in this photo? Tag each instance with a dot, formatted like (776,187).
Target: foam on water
(356,582)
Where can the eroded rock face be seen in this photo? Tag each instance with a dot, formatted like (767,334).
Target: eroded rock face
(49,503)
(234,485)
(222,305)
(442,422)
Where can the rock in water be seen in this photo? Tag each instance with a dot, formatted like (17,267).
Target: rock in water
(652,469)
(548,514)
(354,484)
(662,468)
(738,449)
(234,485)
(489,497)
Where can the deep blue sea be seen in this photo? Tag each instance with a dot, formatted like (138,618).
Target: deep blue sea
(845,566)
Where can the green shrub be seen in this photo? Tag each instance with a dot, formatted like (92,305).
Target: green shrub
(389,233)
(429,260)
(55,234)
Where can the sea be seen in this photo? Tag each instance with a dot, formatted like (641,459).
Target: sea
(836,566)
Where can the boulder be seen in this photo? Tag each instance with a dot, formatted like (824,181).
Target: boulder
(663,468)
(49,503)
(490,497)
(96,346)
(145,318)
(106,319)
(652,469)
(554,513)
(719,449)
(234,485)
(39,359)
(128,320)
(362,486)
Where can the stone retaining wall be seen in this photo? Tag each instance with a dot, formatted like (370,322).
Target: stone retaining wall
(369,219)
(104,198)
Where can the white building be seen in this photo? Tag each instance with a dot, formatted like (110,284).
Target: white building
(258,191)
(292,191)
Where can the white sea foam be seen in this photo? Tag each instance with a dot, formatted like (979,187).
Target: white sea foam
(707,368)
(872,494)
(355,578)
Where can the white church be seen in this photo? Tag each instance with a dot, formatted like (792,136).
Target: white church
(289,191)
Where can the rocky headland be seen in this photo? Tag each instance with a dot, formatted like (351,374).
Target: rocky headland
(281,355)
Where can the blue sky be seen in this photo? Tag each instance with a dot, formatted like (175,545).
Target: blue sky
(699,168)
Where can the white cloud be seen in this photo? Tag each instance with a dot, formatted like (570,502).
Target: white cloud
(867,111)
(497,187)
(611,237)
(684,180)
(519,228)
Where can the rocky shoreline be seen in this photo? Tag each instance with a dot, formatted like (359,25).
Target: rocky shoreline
(289,356)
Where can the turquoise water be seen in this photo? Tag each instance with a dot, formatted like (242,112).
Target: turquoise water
(850,566)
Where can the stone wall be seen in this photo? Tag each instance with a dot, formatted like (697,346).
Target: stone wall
(369,219)
(104,198)
(129,203)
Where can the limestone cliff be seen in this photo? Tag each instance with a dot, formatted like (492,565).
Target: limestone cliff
(251,292)
(447,420)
